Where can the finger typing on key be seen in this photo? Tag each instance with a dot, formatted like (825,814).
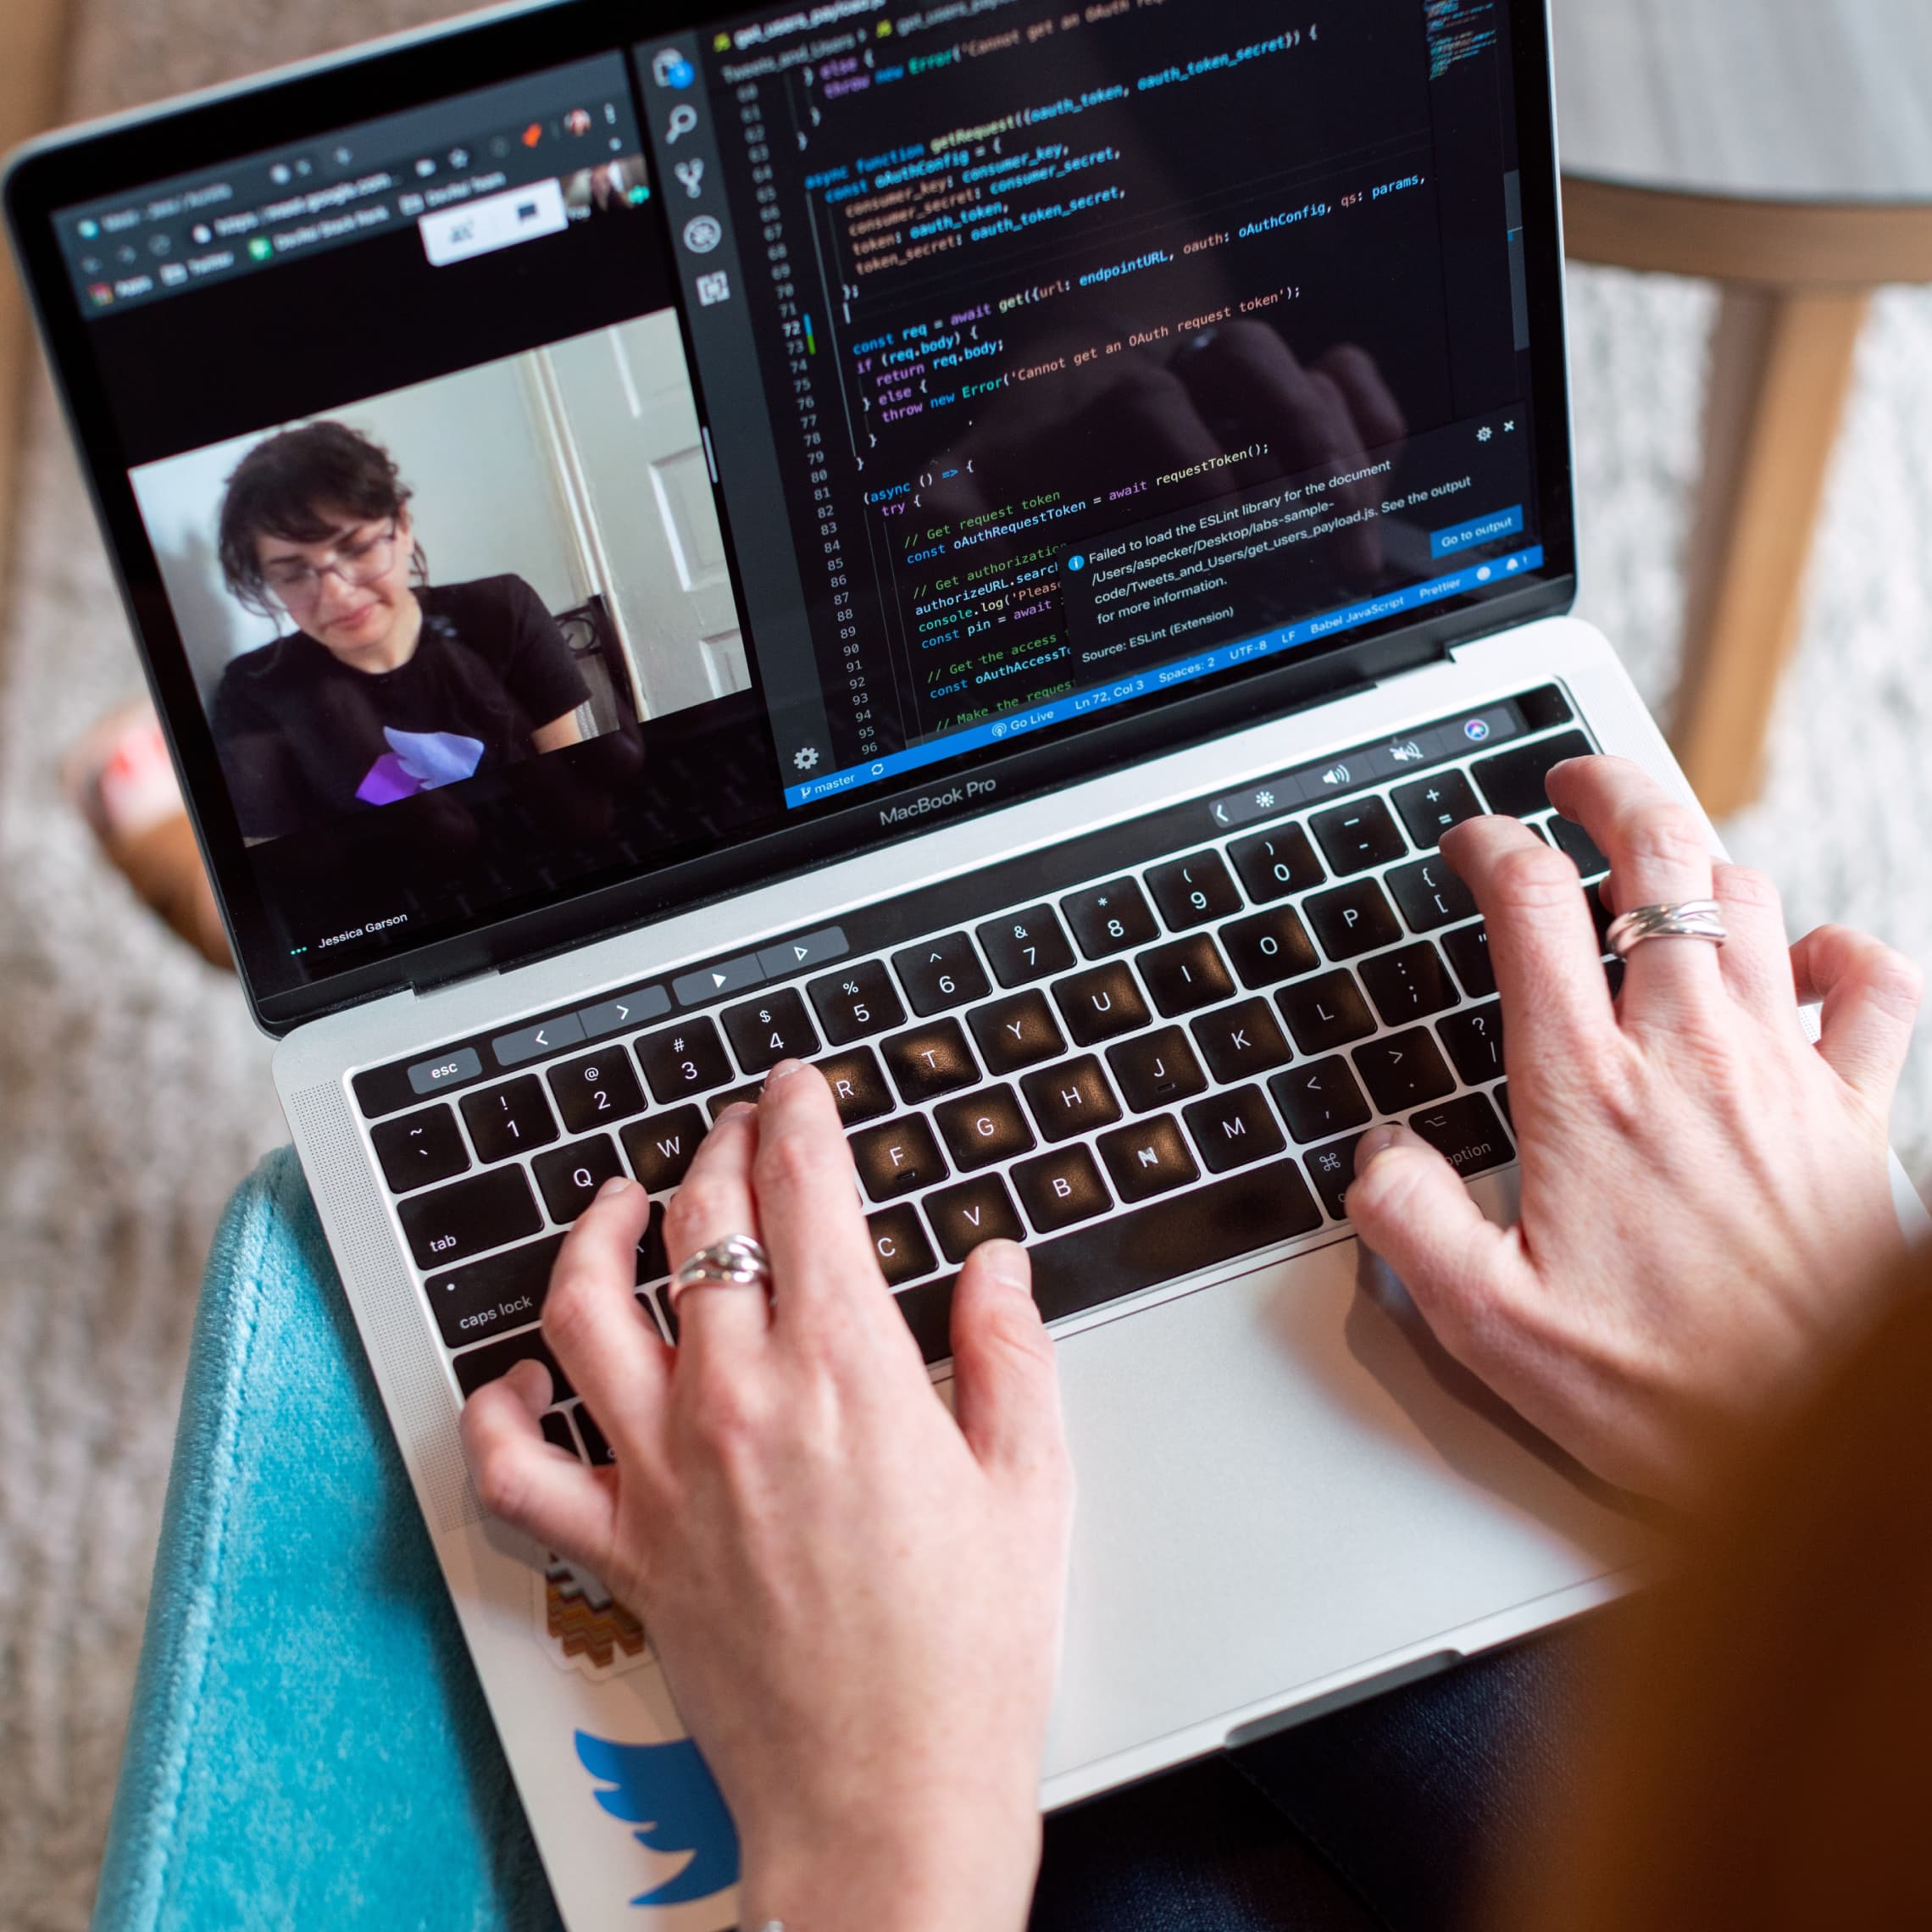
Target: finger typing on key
(1703,1189)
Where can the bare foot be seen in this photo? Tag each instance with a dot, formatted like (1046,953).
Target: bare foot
(119,780)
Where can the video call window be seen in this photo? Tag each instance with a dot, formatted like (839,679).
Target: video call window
(434,584)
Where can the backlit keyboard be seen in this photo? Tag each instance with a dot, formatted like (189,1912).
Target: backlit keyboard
(1144,1053)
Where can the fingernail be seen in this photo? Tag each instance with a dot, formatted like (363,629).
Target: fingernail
(1007,1262)
(618,1183)
(1373,1144)
(784,1071)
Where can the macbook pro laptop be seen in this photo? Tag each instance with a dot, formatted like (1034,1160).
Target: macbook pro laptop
(978,544)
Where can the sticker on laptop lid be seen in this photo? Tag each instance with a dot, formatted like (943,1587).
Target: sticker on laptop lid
(581,1626)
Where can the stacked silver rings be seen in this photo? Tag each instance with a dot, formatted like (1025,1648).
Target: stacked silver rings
(1689,919)
(738,1261)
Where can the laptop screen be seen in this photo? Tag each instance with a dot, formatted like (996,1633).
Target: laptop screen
(786,422)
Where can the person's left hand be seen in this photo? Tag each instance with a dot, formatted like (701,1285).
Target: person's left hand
(857,1599)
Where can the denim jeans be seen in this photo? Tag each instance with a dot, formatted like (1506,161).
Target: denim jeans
(1388,1816)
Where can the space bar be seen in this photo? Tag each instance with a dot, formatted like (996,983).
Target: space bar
(1129,1251)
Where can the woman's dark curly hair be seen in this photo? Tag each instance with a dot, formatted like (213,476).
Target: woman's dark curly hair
(297,485)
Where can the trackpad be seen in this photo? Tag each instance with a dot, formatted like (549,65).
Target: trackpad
(1282,1477)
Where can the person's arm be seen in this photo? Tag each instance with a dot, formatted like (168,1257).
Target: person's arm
(1705,1194)
(540,670)
(557,733)
(856,1598)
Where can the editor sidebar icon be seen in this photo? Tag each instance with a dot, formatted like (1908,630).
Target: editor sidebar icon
(713,289)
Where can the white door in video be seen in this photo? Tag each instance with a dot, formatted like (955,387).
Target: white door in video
(620,404)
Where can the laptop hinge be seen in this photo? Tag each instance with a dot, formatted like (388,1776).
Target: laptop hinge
(432,989)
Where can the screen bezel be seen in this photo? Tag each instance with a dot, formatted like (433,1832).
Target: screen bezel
(414,69)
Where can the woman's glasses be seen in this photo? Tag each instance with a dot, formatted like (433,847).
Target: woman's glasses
(356,560)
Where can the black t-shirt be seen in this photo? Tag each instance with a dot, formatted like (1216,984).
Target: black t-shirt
(303,738)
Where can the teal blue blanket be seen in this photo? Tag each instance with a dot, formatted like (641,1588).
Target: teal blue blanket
(309,1745)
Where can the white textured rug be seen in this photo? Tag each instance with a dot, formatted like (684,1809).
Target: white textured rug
(136,1093)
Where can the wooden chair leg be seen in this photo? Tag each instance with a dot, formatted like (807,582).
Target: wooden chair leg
(1781,369)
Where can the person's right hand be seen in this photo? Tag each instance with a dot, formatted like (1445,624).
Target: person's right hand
(1705,1194)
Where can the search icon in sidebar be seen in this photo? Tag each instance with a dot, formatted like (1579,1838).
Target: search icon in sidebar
(684,119)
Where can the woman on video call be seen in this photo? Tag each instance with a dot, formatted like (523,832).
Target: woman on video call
(388,685)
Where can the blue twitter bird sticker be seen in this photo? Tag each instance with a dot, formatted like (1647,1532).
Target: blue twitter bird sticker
(668,1792)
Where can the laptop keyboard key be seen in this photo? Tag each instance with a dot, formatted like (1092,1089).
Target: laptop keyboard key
(1408,984)
(1332,1169)
(1577,845)
(930,1061)
(1270,947)
(1429,895)
(1242,1041)
(420,1149)
(1468,952)
(683,1060)
(1119,1254)
(763,1032)
(1599,913)
(1466,1132)
(1157,1069)
(661,1148)
(1061,1188)
(1233,1129)
(476,1366)
(1431,806)
(941,973)
(1150,1157)
(1512,781)
(1320,1099)
(597,1451)
(653,1257)
(1354,838)
(748,1095)
(557,1433)
(1255,1207)
(898,1158)
(857,1002)
(487,1211)
(571,1176)
(1277,863)
(1069,1098)
(1354,919)
(1185,975)
(598,1090)
(1025,947)
(1325,1013)
(1017,1033)
(858,1086)
(503,1291)
(1190,891)
(509,1119)
(899,1241)
(1475,1041)
(973,1212)
(979,1129)
(1110,919)
(1405,1070)
(1101,1003)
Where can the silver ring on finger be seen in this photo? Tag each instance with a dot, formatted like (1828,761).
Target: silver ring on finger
(739,1260)
(1686,919)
